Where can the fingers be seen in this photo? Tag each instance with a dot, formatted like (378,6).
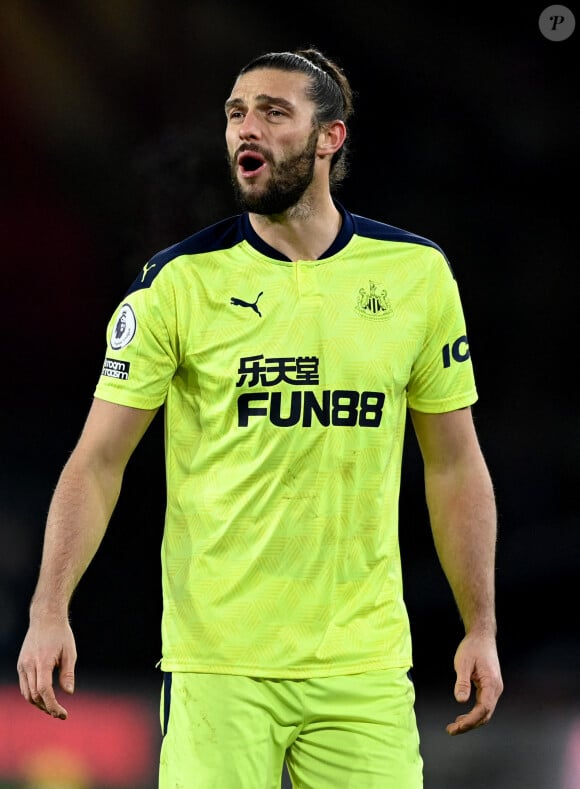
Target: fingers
(36,687)
(477,666)
(487,695)
(462,689)
(46,649)
(23,682)
(67,671)
(478,716)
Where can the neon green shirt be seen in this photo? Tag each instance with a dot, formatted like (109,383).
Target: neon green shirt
(285,388)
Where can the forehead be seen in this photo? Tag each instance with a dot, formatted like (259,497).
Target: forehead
(288,85)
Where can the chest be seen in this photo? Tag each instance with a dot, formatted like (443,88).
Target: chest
(352,325)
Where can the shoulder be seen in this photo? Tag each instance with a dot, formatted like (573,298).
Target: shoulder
(219,236)
(380,231)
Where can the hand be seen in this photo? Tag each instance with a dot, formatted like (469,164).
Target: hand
(46,647)
(476,661)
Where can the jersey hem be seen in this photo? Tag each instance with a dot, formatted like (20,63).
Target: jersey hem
(131,401)
(443,406)
(278,673)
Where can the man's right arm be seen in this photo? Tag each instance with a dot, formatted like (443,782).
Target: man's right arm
(80,510)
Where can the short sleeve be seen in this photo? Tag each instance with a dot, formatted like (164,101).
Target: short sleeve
(442,377)
(142,350)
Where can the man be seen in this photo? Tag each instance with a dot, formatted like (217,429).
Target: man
(286,345)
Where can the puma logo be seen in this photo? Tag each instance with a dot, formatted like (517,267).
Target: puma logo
(242,303)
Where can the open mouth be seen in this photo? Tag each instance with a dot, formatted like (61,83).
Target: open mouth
(251,163)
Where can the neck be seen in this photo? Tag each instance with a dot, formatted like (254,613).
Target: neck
(303,232)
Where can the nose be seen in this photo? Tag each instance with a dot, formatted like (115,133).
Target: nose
(249,129)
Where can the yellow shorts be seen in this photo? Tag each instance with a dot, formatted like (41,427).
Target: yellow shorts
(235,732)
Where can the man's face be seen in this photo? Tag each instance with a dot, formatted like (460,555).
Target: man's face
(271,140)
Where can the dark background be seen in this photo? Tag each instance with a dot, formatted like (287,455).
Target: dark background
(466,131)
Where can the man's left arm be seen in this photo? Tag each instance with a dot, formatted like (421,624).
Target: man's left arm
(462,512)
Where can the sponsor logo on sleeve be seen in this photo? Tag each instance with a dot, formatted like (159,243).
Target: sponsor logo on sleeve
(124,328)
(114,368)
(456,352)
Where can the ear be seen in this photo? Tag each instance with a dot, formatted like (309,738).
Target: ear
(331,138)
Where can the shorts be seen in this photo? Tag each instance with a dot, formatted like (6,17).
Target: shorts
(234,732)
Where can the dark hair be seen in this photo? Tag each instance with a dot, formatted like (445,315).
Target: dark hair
(329,89)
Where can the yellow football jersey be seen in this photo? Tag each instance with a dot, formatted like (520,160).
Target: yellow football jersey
(285,388)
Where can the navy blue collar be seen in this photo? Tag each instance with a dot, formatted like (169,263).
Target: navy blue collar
(344,235)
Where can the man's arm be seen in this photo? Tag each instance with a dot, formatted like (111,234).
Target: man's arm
(462,512)
(80,510)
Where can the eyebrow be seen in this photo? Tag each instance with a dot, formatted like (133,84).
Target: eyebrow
(261,98)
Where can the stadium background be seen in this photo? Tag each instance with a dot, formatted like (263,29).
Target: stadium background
(466,131)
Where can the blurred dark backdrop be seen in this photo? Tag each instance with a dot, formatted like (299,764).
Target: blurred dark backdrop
(466,131)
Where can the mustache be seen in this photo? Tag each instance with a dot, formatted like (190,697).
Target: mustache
(252,146)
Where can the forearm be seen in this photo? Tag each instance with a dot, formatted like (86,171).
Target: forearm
(463,520)
(462,512)
(78,516)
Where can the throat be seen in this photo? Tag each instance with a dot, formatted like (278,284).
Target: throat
(298,237)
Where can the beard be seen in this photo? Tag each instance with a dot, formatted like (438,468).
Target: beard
(289,180)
